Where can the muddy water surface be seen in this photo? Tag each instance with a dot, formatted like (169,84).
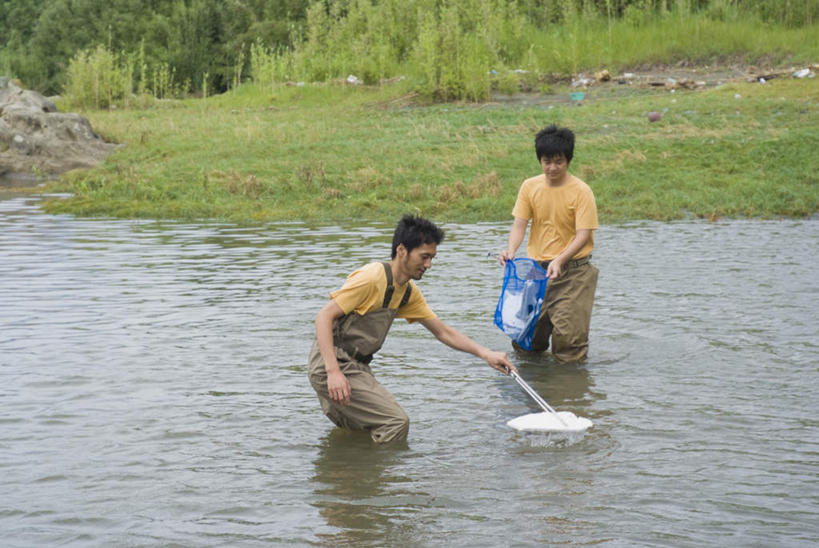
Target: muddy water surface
(153,392)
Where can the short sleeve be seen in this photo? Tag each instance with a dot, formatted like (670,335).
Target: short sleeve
(357,292)
(523,204)
(586,212)
(416,309)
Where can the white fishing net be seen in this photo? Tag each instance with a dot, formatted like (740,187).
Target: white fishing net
(562,421)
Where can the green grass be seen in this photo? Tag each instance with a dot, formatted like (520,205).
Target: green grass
(460,49)
(584,44)
(334,153)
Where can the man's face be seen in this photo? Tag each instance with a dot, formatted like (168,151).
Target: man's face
(417,261)
(555,167)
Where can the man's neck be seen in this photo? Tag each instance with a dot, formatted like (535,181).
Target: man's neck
(554,183)
(399,277)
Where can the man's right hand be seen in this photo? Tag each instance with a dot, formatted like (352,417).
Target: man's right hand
(504,256)
(339,387)
(500,361)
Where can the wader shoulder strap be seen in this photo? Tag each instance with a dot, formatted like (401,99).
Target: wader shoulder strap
(405,298)
(391,288)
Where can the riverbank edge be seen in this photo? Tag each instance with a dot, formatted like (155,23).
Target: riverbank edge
(89,199)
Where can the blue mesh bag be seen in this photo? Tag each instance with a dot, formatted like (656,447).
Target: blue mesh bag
(524,285)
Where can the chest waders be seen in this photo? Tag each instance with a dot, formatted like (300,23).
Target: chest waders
(566,313)
(356,338)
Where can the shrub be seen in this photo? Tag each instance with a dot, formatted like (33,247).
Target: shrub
(98,79)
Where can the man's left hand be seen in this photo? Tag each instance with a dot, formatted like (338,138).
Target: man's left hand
(555,268)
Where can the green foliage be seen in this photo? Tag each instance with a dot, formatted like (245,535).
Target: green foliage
(449,48)
(38,39)
(335,152)
(793,13)
(97,79)
(457,47)
(462,49)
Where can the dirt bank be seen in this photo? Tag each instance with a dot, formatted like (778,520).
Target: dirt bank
(647,78)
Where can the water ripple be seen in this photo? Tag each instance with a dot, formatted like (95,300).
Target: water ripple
(153,392)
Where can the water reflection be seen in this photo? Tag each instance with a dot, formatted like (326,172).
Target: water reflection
(354,482)
(153,392)
(565,385)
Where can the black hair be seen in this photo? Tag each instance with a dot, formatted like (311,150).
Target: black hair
(415,231)
(554,141)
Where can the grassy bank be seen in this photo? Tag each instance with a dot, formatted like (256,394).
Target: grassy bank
(332,152)
(462,49)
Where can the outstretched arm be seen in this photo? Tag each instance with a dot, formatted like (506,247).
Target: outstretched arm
(516,234)
(457,340)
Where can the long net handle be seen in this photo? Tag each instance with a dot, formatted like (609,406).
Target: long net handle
(535,396)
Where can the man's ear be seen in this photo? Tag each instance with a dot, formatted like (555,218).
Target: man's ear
(400,251)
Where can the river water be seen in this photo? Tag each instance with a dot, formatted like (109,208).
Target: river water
(153,392)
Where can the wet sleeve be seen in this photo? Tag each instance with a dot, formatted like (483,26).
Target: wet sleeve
(586,212)
(416,309)
(523,206)
(357,291)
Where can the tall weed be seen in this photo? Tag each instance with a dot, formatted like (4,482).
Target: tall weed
(97,78)
(463,49)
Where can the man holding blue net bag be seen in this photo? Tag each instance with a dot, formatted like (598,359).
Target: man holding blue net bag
(563,213)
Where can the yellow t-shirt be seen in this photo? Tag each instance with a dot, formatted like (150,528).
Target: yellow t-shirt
(364,291)
(557,213)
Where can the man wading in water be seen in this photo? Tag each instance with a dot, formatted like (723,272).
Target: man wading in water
(353,325)
(564,217)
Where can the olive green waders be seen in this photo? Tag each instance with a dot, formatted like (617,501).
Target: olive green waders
(566,312)
(356,338)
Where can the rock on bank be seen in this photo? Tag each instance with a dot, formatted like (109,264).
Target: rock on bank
(34,137)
